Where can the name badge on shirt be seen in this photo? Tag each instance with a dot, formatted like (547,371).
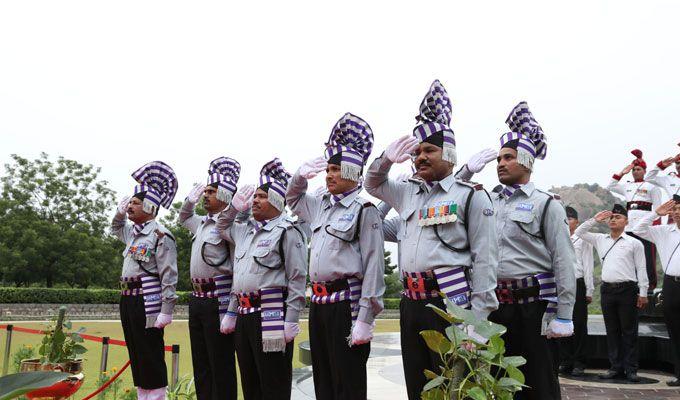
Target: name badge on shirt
(140,252)
(524,207)
(441,212)
(264,243)
(346,217)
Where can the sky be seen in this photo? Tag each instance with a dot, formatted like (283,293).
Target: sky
(117,84)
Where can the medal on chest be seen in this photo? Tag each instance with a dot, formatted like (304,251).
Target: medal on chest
(442,212)
(140,252)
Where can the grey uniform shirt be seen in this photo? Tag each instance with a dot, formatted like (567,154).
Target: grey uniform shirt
(249,276)
(420,249)
(522,255)
(211,255)
(336,255)
(162,261)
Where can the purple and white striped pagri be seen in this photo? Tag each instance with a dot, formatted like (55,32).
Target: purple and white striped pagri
(434,117)
(225,172)
(529,134)
(159,182)
(277,177)
(353,138)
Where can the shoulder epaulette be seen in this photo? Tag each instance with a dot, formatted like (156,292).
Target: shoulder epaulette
(162,234)
(551,194)
(474,185)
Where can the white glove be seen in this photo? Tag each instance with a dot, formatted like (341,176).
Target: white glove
(479,160)
(290,330)
(401,149)
(320,191)
(311,168)
(362,333)
(228,324)
(196,193)
(560,328)
(162,321)
(243,199)
(123,205)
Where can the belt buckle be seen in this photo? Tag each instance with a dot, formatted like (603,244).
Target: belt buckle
(634,206)
(319,289)
(415,284)
(244,302)
(504,295)
(197,287)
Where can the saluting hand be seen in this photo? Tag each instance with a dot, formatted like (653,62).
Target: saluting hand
(401,149)
(311,168)
(627,169)
(602,216)
(665,208)
(123,205)
(479,160)
(196,193)
(243,199)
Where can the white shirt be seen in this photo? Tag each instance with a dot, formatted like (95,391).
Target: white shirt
(670,183)
(624,258)
(666,238)
(584,262)
(636,191)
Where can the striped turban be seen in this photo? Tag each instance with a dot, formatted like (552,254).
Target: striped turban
(434,120)
(223,174)
(349,145)
(274,180)
(525,136)
(157,186)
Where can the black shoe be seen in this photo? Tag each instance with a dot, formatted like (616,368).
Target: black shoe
(565,369)
(675,382)
(577,371)
(632,377)
(611,374)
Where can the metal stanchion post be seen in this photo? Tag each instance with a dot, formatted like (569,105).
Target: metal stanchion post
(8,345)
(105,354)
(175,365)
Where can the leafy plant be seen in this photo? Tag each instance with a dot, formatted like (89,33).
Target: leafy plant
(184,389)
(15,385)
(25,352)
(471,368)
(128,394)
(59,345)
(113,388)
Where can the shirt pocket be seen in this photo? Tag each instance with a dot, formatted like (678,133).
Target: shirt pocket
(214,251)
(265,258)
(340,233)
(404,223)
(522,224)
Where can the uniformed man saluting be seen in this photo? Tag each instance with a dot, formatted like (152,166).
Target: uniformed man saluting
(347,261)
(536,271)
(446,227)
(270,268)
(149,276)
(211,269)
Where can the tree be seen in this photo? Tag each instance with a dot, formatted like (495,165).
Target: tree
(53,224)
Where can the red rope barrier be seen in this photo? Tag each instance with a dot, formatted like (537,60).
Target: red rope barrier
(109,382)
(168,349)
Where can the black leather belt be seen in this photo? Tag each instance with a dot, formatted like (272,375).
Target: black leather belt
(673,278)
(639,205)
(619,284)
(326,288)
(130,285)
(203,287)
(514,295)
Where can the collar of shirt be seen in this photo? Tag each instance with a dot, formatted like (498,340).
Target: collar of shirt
(209,217)
(508,191)
(144,228)
(623,236)
(267,224)
(445,184)
(344,199)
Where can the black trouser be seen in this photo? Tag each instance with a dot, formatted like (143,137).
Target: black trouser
(650,259)
(573,348)
(620,312)
(212,353)
(339,370)
(414,317)
(146,347)
(264,376)
(671,314)
(523,338)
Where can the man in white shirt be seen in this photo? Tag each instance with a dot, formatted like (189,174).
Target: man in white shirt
(573,348)
(624,288)
(667,240)
(669,183)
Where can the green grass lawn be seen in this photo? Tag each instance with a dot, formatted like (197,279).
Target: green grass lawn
(176,333)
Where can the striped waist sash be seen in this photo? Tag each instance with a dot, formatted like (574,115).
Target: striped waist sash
(352,293)
(452,281)
(221,291)
(270,303)
(547,291)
